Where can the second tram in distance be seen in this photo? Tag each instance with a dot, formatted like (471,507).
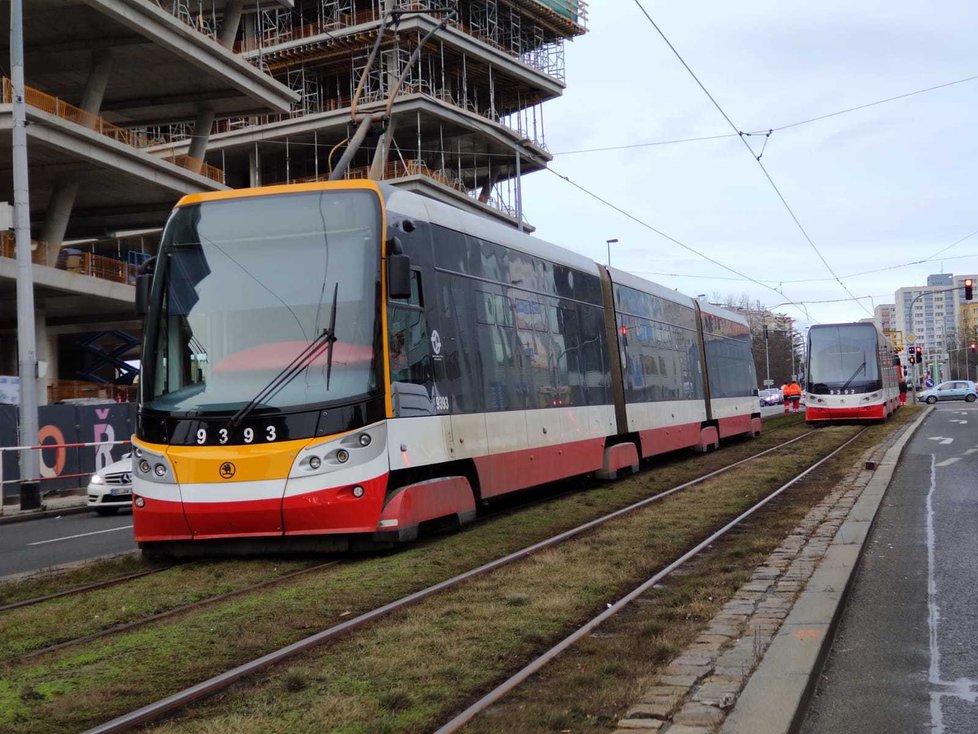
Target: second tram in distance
(853,374)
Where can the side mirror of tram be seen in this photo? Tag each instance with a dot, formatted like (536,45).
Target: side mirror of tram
(398,276)
(144,280)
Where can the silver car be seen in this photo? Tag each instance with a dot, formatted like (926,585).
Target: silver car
(951,390)
(111,488)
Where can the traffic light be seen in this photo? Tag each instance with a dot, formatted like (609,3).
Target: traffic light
(920,354)
(913,357)
(974,348)
(968,283)
(765,332)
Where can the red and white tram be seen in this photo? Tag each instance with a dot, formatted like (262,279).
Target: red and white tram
(338,360)
(853,374)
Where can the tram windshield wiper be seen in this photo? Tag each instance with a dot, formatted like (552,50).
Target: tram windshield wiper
(323,342)
(862,368)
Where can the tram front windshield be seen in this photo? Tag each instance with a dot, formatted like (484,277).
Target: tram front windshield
(843,359)
(247,286)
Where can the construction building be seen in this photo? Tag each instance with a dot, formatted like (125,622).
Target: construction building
(133,103)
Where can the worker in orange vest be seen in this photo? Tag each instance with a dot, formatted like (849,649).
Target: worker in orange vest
(792,397)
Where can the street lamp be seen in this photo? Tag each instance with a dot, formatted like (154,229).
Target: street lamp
(610,243)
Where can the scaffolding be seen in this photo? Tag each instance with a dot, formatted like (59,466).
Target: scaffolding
(320,49)
(310,93)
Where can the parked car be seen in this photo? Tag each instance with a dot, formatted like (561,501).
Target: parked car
(111,488)
(951,390)
(772,396)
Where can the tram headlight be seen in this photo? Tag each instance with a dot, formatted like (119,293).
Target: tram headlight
(358,491)
(315,462)
(342,456)
(364,439)
(144,466)
(139,502)
(159,470)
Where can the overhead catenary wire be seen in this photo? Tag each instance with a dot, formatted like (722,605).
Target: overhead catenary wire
(755,156)
(672,239)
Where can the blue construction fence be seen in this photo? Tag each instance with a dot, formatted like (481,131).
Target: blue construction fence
(68,468)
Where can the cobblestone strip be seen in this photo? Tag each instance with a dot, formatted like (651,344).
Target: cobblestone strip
(693,694)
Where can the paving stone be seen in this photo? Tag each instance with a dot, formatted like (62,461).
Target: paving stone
(720,695)
(661,691)
(690,658)
(685,729)
(696,672)
(630,725)
(686,681)
(662,710)
(697,714)
(710,638)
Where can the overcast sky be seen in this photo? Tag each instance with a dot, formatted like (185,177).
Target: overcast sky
(875,188)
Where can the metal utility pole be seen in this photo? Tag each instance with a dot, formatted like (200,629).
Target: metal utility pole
(519,189)
(791,346)
(767,360)
(610,243)
(30,497)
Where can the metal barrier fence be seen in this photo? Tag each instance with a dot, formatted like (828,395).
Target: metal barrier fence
(54,471)
(74,441)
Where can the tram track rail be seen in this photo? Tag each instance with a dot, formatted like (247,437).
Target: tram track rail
(613,608)
(108,583)
(135,624)
(169,704)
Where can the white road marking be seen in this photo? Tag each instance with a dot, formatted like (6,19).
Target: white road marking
(81,535)
(962,688)
(969,452)
(944,441)
(948,462)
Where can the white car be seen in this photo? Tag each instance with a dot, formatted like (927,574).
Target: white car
(111,488)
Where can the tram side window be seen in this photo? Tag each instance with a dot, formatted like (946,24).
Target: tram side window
(569,329)
(494,314)
(408,334)
(593,342)
(730,363)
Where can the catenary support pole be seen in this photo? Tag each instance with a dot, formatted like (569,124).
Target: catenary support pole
(30,496)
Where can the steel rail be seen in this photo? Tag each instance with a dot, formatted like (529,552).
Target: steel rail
(510,683)
(155,710)
(123,627)
(81,589)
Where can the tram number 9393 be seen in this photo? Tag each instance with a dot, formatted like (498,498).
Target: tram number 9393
(248,435)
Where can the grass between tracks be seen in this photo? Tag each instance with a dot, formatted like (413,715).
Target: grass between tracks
(414,670)
(33,627)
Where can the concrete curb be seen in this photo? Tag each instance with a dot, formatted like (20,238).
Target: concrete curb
(46,511)
(776,696)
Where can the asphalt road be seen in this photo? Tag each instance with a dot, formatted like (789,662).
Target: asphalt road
(904,658)
(35,544)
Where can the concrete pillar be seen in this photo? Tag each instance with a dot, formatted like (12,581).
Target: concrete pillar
(232,19)
(63,194)
(254,168)
(98,80)
(202,133)
(56,220)
(45,350)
